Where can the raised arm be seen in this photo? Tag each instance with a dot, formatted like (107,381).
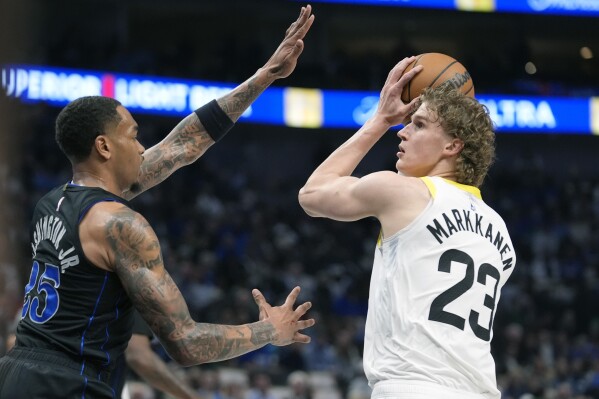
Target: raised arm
(331,191)
(123,241)
(190,139)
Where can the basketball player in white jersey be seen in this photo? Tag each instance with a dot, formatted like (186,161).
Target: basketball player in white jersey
(443,255)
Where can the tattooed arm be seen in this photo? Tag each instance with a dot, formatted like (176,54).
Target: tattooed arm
(118,239)
(189,140)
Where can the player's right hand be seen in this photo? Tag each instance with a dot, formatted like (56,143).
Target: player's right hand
(284,59)
(391,107)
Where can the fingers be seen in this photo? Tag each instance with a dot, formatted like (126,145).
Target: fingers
(302,309)
(303,324)
(409,75)
(261,302)
(397,70)
(300,27)
(301,338)
(258,297)
(292,297)
(414,104)
(297,50)
(304,28)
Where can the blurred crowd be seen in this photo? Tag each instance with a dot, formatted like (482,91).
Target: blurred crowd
(231,222)
(226,227)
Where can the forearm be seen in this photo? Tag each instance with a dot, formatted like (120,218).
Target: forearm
(237,101)
(344,160)
(189,140)
(208,343)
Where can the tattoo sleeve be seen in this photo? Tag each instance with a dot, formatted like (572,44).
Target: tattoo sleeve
(183,145)
(139,265)
(237,101)
(189,140)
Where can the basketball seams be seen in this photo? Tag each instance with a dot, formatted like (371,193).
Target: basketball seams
(410,82)
(452,70)
(442,72)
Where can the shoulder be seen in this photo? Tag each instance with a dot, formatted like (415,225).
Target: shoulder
(107,213)
(404,198)
(108,228)
(116,222)
(396,186)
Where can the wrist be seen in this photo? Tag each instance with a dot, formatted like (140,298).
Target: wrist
(216,122)
(378,123)
(266,76)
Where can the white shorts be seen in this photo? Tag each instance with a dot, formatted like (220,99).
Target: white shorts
(421,390)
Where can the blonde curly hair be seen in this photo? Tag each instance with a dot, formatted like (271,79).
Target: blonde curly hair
(465,118)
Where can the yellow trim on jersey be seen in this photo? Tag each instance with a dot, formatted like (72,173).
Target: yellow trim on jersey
(431,186)
(433,190)
(471,189)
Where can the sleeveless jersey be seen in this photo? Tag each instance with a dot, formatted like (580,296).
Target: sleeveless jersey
(119,376)
(70,305)
(434,290)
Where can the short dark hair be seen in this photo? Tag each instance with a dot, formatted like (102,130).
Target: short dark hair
(81,121)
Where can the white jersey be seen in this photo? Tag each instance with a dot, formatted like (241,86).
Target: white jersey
(433,295)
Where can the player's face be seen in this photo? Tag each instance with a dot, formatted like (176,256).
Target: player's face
(128,154)
(422,146)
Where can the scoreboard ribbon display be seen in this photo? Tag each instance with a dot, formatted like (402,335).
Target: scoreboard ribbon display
(589,8)
(289,106)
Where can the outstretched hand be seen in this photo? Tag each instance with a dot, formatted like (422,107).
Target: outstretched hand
(283,61)
(391,107)
(285,320)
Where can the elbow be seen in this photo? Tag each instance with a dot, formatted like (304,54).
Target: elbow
(306,201)
(183,357)
(186,362)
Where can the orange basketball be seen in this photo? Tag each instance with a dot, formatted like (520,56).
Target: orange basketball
(438,69)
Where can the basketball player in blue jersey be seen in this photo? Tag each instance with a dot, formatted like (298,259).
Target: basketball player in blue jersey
(95,258)
(443,255)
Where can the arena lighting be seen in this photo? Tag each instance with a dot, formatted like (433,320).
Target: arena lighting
(530,68)
(289,106)
(588,8)
(586,53)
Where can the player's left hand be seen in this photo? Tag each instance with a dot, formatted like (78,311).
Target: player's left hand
(284,59)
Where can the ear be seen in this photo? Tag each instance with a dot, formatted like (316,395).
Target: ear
(454,147)
(102,146)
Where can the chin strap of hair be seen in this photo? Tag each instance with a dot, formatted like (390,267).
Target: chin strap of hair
(215,120)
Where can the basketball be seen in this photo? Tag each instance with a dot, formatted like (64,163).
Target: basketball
(438,69)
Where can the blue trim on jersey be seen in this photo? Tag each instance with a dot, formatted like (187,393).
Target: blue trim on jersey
(84,211)
(84,386)
(91,319)
(116,311)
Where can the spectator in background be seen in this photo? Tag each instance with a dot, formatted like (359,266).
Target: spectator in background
(261,385)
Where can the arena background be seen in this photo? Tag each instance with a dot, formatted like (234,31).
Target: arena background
(231,221)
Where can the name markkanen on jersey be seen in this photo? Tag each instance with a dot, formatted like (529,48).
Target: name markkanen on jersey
(465,220)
